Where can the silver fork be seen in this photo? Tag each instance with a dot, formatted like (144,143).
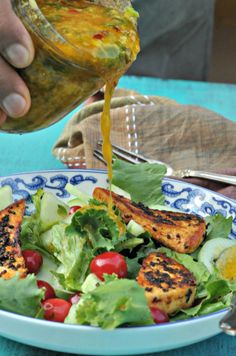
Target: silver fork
(228,322)
(135,158)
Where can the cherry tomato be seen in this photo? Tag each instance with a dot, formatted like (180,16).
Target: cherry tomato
(74,298)
(159,316)
(73,209)
(33,260)
(49,291)
(109,262)
(56,309)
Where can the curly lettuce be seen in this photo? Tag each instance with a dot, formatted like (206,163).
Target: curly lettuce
(21,295)
(113,303)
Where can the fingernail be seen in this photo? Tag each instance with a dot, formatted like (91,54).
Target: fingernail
(14,104)
(18,55)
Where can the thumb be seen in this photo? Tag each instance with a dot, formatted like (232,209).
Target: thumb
(15,43)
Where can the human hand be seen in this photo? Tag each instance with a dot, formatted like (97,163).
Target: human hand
(96,97)
(16,51)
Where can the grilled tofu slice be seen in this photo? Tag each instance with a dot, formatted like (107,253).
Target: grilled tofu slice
(168,285)
(180,232)
(11,259)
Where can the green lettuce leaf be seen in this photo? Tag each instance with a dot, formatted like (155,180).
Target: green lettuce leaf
(32,233)
(80,199)
(142,181)
(21,295)
(114,303)
(100,231)
(74,255)
(219,293)
(74,246)
(49,211)
(68,254)
(30,227)
(135,256)
(218,226)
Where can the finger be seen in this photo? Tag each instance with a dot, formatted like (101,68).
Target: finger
(229,171)
(96,97)
(205,183)
(14,95)
(16,45)
(3,117)
(229,191)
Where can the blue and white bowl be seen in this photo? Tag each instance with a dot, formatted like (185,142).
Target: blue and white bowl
(123,341)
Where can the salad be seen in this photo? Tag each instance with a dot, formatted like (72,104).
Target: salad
(83,262)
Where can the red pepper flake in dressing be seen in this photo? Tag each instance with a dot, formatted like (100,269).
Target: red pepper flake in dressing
(100,35)
(73,11)
(116,28)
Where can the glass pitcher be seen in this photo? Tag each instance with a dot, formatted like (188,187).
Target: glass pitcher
(69,68)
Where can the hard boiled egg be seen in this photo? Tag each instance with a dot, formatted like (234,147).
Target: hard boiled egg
(212,249)
(226,263)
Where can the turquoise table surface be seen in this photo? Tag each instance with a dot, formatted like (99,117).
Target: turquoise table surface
(32,152)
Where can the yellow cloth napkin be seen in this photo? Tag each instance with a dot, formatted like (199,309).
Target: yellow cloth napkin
(183,136)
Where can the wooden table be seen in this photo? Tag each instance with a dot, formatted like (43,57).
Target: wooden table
(32,152)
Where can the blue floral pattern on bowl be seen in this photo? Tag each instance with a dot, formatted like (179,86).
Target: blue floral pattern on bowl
(178,194)
(24,188)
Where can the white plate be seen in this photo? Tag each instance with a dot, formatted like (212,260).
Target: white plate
(122,341)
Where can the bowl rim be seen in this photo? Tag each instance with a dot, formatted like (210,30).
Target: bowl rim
(103,171)
(42,322)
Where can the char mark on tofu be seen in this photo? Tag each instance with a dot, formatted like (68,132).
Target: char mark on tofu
(11,259)
(179,231)
(168,284)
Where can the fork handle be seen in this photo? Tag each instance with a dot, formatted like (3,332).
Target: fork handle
(207,175)
(228,322)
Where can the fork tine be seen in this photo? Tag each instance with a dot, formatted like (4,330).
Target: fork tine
(125,157)
(123,152)
(97,153)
